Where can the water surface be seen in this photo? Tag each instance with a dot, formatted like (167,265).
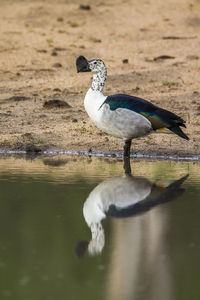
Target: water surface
(77,228)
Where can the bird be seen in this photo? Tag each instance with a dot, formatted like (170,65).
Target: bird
(124,197)
(124,116)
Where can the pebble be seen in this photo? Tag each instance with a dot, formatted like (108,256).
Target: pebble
(56,103)
(74,120)
(57,90)
(57,65)
(18,98)
(85,7)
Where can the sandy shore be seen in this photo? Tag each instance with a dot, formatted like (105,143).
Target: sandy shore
(40,40)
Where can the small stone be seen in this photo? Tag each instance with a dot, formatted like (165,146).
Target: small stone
(56,103)
(125,61)
(163,57)
(85,7)
(74,120)
(41,50)
(18,98)
(57,65)
(59,49)
(60,19)
(54,53)
(136,89)
(143,29)
(57,90)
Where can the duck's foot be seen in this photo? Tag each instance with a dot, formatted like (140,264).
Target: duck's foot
(127,165)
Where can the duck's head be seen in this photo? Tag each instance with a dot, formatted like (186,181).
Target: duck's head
(94,65)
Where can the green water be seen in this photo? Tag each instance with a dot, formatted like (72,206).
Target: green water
(154,254)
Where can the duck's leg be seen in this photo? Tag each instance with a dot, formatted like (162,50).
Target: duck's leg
(127,148)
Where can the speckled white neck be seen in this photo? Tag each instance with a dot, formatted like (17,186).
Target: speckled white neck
(99,80)
(98,239)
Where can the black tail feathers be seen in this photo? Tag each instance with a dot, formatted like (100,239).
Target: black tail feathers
(177,130)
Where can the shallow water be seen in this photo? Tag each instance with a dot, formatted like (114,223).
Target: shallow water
(146,229)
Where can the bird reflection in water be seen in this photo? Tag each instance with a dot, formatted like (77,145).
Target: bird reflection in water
(123,197)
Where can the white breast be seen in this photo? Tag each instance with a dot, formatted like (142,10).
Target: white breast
(122,123)
(92,102)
